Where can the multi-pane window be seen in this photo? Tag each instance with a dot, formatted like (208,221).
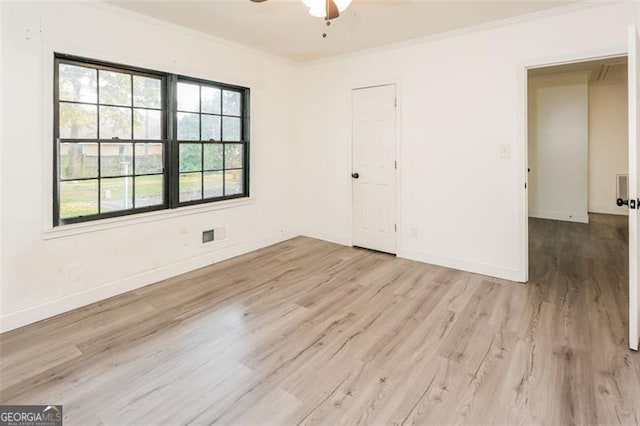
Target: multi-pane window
(126,143)
(210,137)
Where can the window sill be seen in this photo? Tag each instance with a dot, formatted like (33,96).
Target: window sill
(119,222)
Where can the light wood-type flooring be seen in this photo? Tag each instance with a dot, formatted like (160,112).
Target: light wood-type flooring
(309,332)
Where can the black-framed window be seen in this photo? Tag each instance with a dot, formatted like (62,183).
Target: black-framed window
(130,140)
(210,135)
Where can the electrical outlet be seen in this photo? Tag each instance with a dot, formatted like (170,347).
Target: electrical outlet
(414,232)
(74,273)
(184,237)
(221,233)
(505,151)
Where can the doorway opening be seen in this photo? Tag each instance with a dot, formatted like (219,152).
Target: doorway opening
(578,168)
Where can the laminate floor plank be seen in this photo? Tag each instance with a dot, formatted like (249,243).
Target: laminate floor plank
(310,332)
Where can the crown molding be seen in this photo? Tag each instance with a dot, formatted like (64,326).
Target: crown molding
(560,10)
(186,31)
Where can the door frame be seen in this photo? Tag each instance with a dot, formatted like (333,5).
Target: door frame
(523,151)
(398,143)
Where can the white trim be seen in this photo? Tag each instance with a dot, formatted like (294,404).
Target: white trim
(136,219)
(522,143)
(615,210)
(562,216)
(502,272)
(336,239)
(522,150)
(634,91)
(64,304)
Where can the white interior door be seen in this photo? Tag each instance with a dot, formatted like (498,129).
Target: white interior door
(374,168)
(634,189)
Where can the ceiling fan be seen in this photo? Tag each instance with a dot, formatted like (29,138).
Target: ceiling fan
(327,9)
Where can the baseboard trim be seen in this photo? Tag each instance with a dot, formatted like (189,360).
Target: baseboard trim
(343,241)
(495,271)
(618,211)
(501,272)
(563,216)
(74,301)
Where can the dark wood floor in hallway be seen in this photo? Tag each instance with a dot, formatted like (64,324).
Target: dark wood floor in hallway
(309,332)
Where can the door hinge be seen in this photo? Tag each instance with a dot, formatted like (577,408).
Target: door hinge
(395,227)
(395,164)
(395,102)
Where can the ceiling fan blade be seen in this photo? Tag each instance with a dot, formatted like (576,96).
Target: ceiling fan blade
(258,1)
(332,10)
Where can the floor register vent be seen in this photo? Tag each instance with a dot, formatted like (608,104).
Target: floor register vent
(216,234)
(208,236)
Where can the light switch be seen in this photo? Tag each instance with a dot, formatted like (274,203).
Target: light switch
(415,232)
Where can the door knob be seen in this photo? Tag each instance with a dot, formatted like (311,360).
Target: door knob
(620,202)
(355,175)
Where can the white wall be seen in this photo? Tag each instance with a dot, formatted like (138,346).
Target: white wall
(461,99)
(608,142)
(558,126)
(45,272)
(461,103)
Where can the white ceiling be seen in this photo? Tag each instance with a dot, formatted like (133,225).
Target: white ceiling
(284,28)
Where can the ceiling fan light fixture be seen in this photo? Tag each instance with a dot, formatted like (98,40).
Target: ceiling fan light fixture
(318,8)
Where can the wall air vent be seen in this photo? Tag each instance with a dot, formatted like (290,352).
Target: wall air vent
(622,186)
(605,68)
(208,236)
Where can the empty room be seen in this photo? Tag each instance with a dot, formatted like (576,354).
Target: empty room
(283,212)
